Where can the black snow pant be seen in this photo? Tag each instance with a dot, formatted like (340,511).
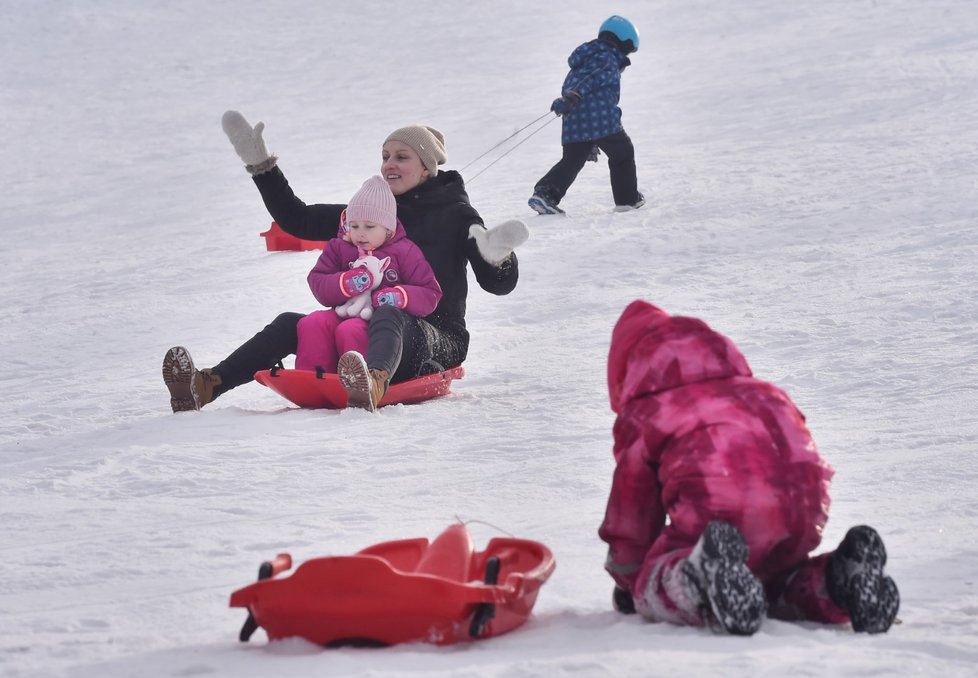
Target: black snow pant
(399,343)
(406,346)
(263,351)
(621,165)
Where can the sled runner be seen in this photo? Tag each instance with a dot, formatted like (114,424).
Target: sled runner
(318,390)
(277,240)
(402,591)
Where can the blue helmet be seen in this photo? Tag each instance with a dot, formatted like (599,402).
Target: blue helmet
(623,30)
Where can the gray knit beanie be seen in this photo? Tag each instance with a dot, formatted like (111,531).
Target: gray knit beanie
(426,141)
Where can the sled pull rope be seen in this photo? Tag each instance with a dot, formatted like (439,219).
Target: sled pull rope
(503,141)
(485,611)
(523,141)
(487,524)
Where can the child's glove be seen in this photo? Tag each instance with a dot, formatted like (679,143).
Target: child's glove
(390,296)
(593,155)
(356,280)
(247,140)
(499,241)
(622,601)
(566,103)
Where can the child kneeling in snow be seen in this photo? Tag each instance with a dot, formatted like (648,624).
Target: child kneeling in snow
(371,262)
(719,495)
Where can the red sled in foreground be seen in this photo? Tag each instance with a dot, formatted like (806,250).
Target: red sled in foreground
(317,390)
(403,591)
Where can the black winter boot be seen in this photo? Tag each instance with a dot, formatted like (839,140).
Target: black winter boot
(856,583)
(716,572)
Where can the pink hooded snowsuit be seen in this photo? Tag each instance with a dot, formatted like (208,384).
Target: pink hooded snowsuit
(698,439)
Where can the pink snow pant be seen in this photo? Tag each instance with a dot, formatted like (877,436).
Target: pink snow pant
(799,594)
(779,536)
(324,337)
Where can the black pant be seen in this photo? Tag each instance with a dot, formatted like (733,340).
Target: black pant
(401,344)
(621,164)
(263,351)
(406,346)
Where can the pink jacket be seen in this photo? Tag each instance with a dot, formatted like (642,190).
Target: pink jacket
(408,269)
(697,438)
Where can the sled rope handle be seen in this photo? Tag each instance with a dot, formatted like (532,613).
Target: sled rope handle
(267,570)
(485,611)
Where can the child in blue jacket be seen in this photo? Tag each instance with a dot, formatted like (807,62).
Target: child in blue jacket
(592,119)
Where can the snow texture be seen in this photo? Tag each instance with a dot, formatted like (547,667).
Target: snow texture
(811,179)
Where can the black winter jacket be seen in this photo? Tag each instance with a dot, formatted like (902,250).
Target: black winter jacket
(436,215)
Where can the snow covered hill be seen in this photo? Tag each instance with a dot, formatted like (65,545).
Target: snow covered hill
(813,195)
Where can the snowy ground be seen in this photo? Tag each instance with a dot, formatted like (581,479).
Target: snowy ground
(813,183)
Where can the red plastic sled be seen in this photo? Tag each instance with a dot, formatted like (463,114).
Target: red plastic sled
(411,590)
(315,390)
(277,240)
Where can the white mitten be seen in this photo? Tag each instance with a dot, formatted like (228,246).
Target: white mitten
(499,241)
(247,140)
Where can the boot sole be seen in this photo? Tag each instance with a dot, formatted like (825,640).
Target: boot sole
(873,604)
(629,208)
(352,370)
(737,600)
(178,375)
(540,207)
(871,598)
(735,595)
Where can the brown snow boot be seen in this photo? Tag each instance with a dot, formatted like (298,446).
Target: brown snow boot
(190,388)
(205,382)
(364,387)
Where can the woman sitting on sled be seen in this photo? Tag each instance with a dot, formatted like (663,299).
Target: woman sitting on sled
(435,211)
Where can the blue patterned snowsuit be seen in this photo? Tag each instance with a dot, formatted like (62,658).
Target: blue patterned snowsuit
(596,76)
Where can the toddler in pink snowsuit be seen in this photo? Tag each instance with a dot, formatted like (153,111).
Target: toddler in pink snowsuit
(369,226)
(719,494)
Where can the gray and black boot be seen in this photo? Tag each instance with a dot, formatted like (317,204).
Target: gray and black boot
(716,572)
(544,200)
(856,583)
